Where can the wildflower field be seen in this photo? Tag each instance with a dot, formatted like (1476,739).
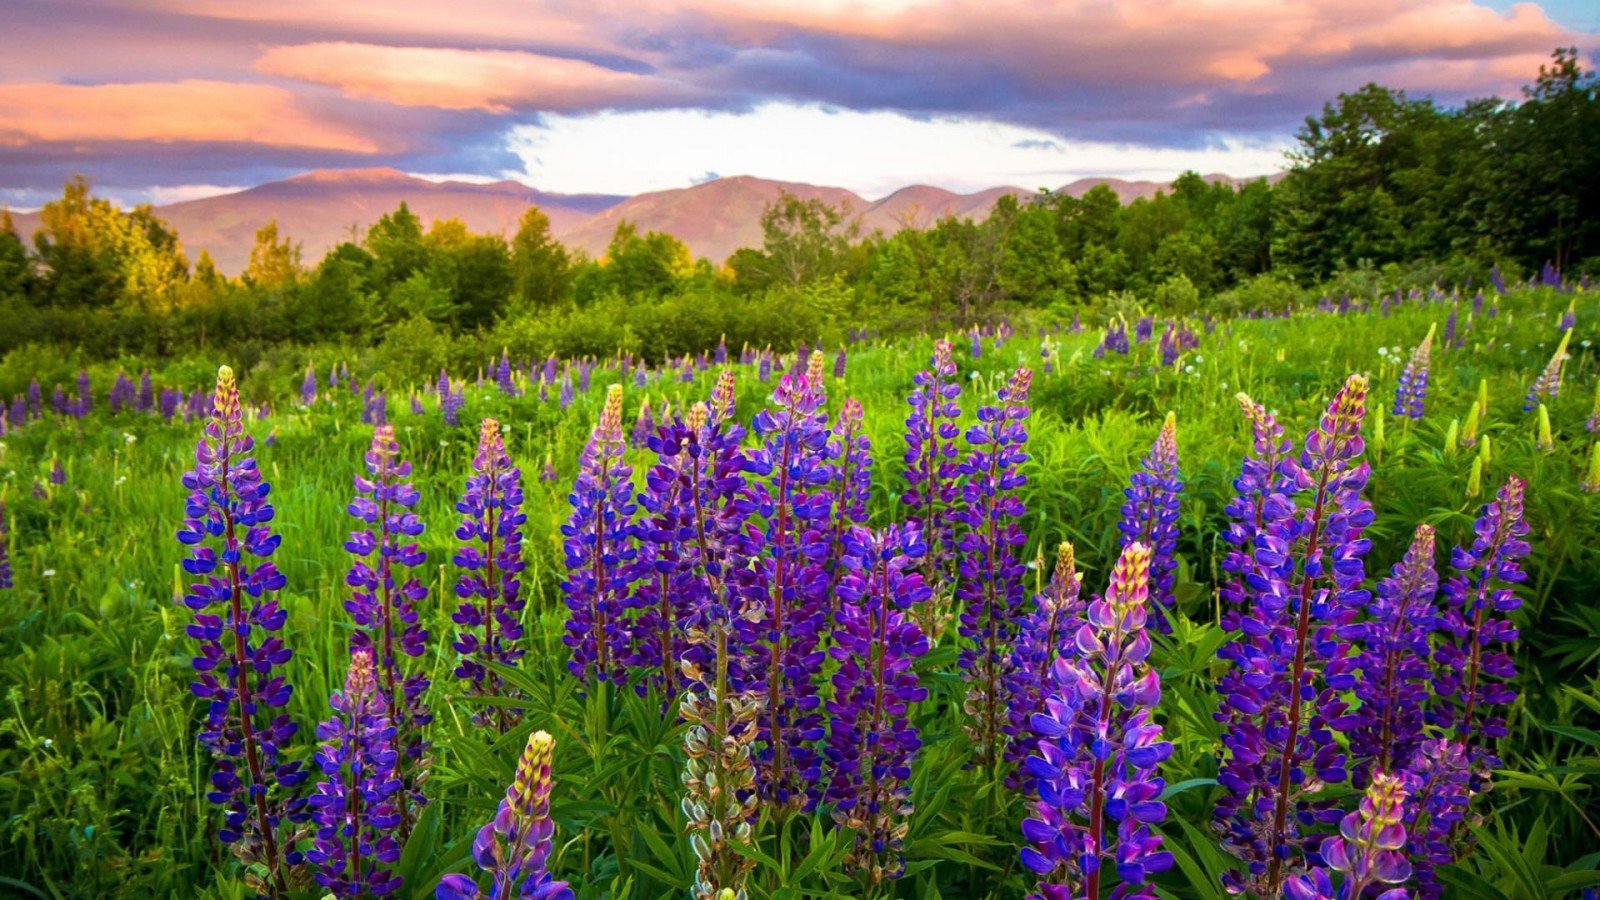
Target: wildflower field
(1295,605)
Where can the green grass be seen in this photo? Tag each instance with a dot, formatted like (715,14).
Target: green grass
(100,774)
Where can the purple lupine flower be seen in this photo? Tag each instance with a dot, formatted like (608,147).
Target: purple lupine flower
(720,357)
(122,392)
(18,412)
(791,495)
(1392,671)
(5,559)
(1412,392)
(1440,779)
(450,400)
(597,539)
(1058,612)
(566,389)
(514,847)
(35,400)
(643,424)
(1591,424)
(669,587)
(932,473)
(1548,384)
(383,601)
(839,362)
(58,401)
(353,805)
(308,387)
(1368,852)
(490,585)
(871,740)
(977,345)
(547,472)
(850,453)
(1570,317)
(85,397)
(502,374)
(990,583)
(58,474)
(236,621)
(1143,329)
(764,367)
(1300,585)
(1474,672)
(719,542)
(1150,517)
(1099,752)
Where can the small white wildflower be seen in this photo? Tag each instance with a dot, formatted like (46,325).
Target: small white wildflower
(120,480)
(128,437)
(49,573)
(1189,369)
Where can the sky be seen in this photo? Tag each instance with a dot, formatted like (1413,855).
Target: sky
(164,100)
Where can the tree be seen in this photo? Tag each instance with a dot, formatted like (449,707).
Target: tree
(395,242)
(274,263)
(803,240)
(647,265)
(473,269)
(541,268)
(1544,184)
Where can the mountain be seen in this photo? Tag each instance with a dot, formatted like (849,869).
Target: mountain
(1129,191)
(714,217)
(920,205)
(322,208)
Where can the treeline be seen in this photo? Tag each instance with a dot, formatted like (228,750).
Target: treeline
(1382,190)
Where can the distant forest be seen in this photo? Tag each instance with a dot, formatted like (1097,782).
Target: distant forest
(1382,191)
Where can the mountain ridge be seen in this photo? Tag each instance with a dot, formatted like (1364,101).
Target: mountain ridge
(322,207)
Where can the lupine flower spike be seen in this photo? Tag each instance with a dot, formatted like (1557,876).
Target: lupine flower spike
(1150,516)
(514,847)
(490,586)
(933,477)
(383,603)
(1472,681)
(1280,702)
(236,620)
(600,552)
(1412,393)
(850,453)
(1099,750)
(5,560)
(1548,385)
(1044,635)
(353,805)
(793,500)
(1392,672)
(991,574)
(1368,852)
(871,739)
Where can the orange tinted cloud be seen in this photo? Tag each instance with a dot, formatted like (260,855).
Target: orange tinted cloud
(452,78)
(193,111)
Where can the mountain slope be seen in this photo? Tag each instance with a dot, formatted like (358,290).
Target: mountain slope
(714,218)
(321,208)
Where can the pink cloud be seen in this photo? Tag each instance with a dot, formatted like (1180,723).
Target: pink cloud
(176,112)
(452,78)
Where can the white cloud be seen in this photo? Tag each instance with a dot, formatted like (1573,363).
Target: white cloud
(872,153)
